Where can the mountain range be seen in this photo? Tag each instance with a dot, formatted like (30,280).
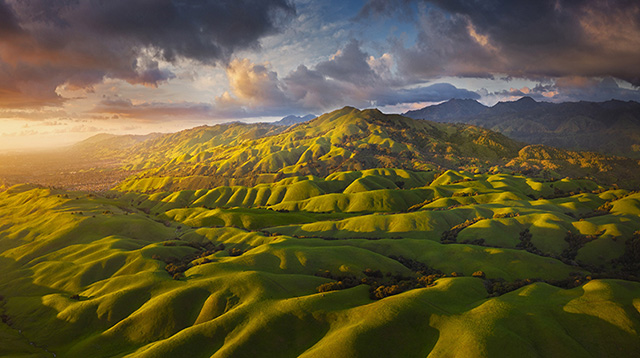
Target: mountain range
(611,127)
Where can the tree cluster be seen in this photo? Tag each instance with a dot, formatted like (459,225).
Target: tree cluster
(576,242)
(477,242)
(505,215)
(629,262)
(526,244)
(498,287)
(382,284)
(234,251)
(451,236)
(464,194)
(177,266)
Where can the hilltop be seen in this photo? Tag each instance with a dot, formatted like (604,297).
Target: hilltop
(611,127)
(350,139)
(346,139)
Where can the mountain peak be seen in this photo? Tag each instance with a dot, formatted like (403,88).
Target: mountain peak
(462,100)
(526,99)
(522,104)
(523,101)
(449,111)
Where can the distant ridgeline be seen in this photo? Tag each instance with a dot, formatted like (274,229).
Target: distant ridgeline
(291,120)
(611,127)
(356,234)
(346,139)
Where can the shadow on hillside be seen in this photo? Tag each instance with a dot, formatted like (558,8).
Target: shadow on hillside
(23,312)
(563,326)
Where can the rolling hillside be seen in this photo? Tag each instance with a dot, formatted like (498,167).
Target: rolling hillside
(360,271)
(343,140)
(356,234)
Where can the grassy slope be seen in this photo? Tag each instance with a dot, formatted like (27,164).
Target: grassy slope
(347,140)
(56,244)
(84,275)
(343,140)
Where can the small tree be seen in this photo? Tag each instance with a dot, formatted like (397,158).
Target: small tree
(178,276)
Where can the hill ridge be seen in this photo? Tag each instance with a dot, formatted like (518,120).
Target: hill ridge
(353,139)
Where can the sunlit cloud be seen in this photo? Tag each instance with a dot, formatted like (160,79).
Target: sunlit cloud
(100,64)
(253,84)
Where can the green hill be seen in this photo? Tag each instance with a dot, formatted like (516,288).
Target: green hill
(346,140)
(248,274)
(356,234)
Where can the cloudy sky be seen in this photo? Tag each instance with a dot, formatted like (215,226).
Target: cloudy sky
(73,68)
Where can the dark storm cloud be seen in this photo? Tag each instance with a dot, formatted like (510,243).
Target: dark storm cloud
(8,23)
(80,42)
(203,30)
(310,89)
(349,74)
(445,47)
(543,38)
(374,8)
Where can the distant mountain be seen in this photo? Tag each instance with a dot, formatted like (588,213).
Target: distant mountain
(524,104)
(611,127)
(455,108)
(291,120)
